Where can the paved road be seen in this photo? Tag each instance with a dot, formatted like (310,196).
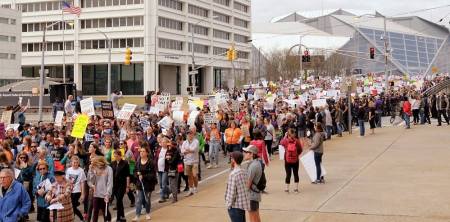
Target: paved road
(394,175)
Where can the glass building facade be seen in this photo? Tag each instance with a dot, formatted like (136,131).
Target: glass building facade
(128,79)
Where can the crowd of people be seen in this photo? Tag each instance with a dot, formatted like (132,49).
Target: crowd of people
(46,170)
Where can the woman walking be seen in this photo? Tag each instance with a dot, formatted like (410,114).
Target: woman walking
(173,158)
(121,182)
(317,147)
(293,149)
(61,193)
(372,119)
(41,186)
(145,173)
(214,146)
(76,176)
(101,182)
(268,139)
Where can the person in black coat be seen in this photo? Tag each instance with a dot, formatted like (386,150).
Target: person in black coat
(173,158)
(121,182)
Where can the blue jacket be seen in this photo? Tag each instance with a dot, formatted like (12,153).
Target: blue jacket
(15,203)
(40,200)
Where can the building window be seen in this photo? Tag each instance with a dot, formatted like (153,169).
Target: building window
(37,27)
(170,23)
(3,55)
(223,2)
(12,56)
(199,48)
(112,22)
(170,44)
(50,46)
(116,43)
(219,51)
(107,3)
(4,38)
(221,34)
(240,38)
(195,10)
(42,6)
(174,4)
(240,22)
(221,17)
(4,20)
(199,29)
(242,55)
(240,7)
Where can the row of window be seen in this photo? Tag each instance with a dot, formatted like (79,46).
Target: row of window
(116,43)
(198,48)
(170,23)
(5,38)
(42,6)
(112,22)
(7,56)
(196,10)
(104,3)
(7,21)
(40,26)
(5,6)
(173,4)
(50,46)
(201,30)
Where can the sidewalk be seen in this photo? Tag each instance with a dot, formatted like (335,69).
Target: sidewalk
(394,175)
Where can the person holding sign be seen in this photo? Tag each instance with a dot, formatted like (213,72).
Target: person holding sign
(61,194)
(317,147)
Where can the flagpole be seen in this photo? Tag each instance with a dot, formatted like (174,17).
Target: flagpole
(64,53)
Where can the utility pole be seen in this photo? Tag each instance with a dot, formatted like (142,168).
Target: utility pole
(386,75)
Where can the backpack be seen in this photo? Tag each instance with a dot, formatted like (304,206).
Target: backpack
(261,185)
(291,153)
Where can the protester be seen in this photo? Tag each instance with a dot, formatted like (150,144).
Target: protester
(76,176)
(100,180)
(121,182)
(317,147)
(145,173)
(214,141)
(189,149)
(292,151)
(172,160)
(41,185)
(60,194)
(14,200)
(255,172)
(237,198)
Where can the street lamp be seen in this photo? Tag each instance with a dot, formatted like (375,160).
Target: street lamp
(108,42)
(194,71)
(386,51)
(41,78)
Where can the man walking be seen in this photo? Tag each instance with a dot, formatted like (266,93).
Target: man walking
(14,200)
(190,149)
(442,105)
(254,170)
(236,195)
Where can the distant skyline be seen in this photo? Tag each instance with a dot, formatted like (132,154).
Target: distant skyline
(265,10)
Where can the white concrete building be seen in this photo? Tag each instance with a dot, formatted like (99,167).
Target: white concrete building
(157,31)
(10,35)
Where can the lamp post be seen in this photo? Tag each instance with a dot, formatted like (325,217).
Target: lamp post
(41,77)
(108,43)
(349,98)
(194,71)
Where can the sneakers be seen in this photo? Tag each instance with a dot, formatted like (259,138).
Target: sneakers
(161,200)
(190,193)
(296,191)
(195,190)
(215,166)
(209,166)
(147,217)
(287,191)
(136,218)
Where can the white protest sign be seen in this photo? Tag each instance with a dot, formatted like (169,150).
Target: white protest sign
(210,118)
(310,166)
(192,116)
(13,126)
(87,106)
(178,116)
(235,106)
(221,97)
(163,101)
(213,106)
(58,118)
(176,105)
(154,110)
(166,122)
(122,135)
(88,137)
(126,111)
(319,102)
(145,124)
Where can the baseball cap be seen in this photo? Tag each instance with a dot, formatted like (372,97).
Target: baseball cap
(251,149)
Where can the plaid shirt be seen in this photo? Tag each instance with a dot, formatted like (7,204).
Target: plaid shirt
(236,195)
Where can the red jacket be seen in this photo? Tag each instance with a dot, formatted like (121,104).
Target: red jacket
(407,108)
(262,150)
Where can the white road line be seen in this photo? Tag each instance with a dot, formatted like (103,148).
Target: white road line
(156,201)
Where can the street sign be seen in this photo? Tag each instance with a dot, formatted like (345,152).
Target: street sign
(195,72)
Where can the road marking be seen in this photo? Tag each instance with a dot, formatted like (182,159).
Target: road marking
(156,201)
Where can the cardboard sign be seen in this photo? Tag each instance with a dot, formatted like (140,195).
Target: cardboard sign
(126,111)
(222,98)
(310,166)
(154,110)
(6,117)
(319,103)
(79,129)
(177,104)
(87,106)
(107,109)
(213,106)
(88,137)
(59,118)
(210,118)
(164,99)
(178,116)
(166,122)
(235,106)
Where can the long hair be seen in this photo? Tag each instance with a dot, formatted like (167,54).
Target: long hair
(27,160)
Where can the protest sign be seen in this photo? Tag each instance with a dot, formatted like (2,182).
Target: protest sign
(166,122)
(13,126)
(177,104)
(310,166)
(87,106)
(210,118)
(59,118)
(178,116)
(192,117)
(126,111)
(235,106)
(221,97)
(154,110)
(107,109)
(88,137)
(6,117)
(79,128)
(164,99)
(213,106)
(319,102)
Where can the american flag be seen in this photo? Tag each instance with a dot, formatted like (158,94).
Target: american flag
(70,8)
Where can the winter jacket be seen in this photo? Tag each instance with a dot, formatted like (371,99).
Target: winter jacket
(14,203)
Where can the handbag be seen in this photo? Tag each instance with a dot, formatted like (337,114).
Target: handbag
(180,168)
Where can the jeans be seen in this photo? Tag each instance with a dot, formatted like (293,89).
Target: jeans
(291,167)
(415,116)
(214,147)
(329,130)
(318,161)
(164,190)
(99,204)
(118,194)
(143,200)
(362,129)
(340,128)
(236,215)
(269,146)
(407,120)
(75,197)
(378,116)
(443,113)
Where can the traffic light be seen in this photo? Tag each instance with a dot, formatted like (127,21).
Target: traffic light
(306,57)
(231,54)
(128,56)
(372,53)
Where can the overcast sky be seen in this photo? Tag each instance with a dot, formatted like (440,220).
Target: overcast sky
(264,10)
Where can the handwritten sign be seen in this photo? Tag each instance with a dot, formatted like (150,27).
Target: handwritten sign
(79,128)
(59,118)
(210,118)
(6,117)
(107,109)
(126,111)
(235,106)
(177,104)
(166,122)
(192,117)
(87,106)
(319,102)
